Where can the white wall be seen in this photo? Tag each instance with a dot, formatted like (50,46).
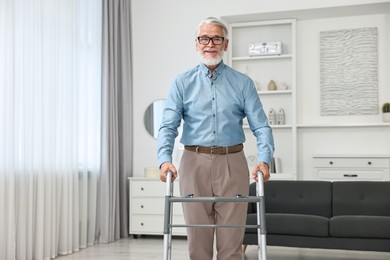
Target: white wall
(341,140)
(163,46)
(309,64)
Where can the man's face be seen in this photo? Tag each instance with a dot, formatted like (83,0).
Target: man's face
(211,54)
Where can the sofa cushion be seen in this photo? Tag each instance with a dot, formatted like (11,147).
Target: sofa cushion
(298,197)
(292,224)
(360,226)
(361,198)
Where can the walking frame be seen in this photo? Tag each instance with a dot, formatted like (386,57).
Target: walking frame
(260,203)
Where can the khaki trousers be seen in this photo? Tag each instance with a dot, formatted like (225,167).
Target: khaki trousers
(208,175)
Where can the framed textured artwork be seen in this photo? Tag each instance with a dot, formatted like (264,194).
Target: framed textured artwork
(349,72)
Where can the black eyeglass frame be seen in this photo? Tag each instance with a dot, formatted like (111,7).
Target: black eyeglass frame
(210,39)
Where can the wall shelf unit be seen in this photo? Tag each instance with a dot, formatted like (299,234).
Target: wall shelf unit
(306,131)
(262,69)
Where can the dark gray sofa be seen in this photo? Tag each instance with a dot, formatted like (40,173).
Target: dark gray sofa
(349,215)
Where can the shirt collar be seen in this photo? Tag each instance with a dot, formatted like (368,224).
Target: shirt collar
(205,71)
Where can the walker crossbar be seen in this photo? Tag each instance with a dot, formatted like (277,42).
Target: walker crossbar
(259,199)
(215,199)
(214,225)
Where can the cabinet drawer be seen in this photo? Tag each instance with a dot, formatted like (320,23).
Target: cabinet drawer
(152,206)
(154,225)
(371,175)
(155,188)
(147,188)
(352,162)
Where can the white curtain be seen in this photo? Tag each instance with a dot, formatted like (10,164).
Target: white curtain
(50,126)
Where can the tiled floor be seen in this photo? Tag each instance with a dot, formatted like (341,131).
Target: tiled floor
(151,248)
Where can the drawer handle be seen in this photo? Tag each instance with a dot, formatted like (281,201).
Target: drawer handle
(369,163)
(330,162)
(142,224)
(350,175)
(142,188)
(142,206)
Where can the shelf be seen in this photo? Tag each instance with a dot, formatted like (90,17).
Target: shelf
(274,92)
(267,57)
(281,126)
(351,155)
(282,176)
(272,126)
(344,125)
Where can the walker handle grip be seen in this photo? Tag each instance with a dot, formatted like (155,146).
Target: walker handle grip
(260,183)
(169,184)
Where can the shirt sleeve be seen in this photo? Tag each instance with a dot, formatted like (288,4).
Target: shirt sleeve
(168,130)
(259,125)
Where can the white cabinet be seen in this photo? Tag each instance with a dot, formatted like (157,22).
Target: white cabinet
(146,207)
(352,167)
(262,69)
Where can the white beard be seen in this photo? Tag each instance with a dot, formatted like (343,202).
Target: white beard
(209,61)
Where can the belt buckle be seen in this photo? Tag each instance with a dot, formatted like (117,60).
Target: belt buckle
(225,150)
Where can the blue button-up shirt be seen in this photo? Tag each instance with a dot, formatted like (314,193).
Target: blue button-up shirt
(212,107)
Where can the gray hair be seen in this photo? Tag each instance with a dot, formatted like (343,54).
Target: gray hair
(213,21)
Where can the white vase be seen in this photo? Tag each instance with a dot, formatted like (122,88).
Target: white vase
(386,117)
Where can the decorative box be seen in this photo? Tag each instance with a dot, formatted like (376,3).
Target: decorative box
(265,48)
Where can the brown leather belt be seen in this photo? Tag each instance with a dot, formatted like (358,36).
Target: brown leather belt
(215,150)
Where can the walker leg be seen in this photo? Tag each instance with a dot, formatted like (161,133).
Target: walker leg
(261,232)
(168,219)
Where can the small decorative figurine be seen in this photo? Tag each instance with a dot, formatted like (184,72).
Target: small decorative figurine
(271,117)
(271,85)
(281,117)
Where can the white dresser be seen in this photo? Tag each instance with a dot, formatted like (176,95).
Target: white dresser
(146,207)
(352,167)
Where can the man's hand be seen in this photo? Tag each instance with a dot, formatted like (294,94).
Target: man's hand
(165,168)
(262,167)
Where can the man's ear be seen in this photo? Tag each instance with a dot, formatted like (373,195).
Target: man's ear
(226,44)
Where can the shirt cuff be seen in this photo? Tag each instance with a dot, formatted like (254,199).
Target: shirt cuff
(164,158)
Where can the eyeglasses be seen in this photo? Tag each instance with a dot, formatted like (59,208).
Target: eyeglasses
(217,40)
